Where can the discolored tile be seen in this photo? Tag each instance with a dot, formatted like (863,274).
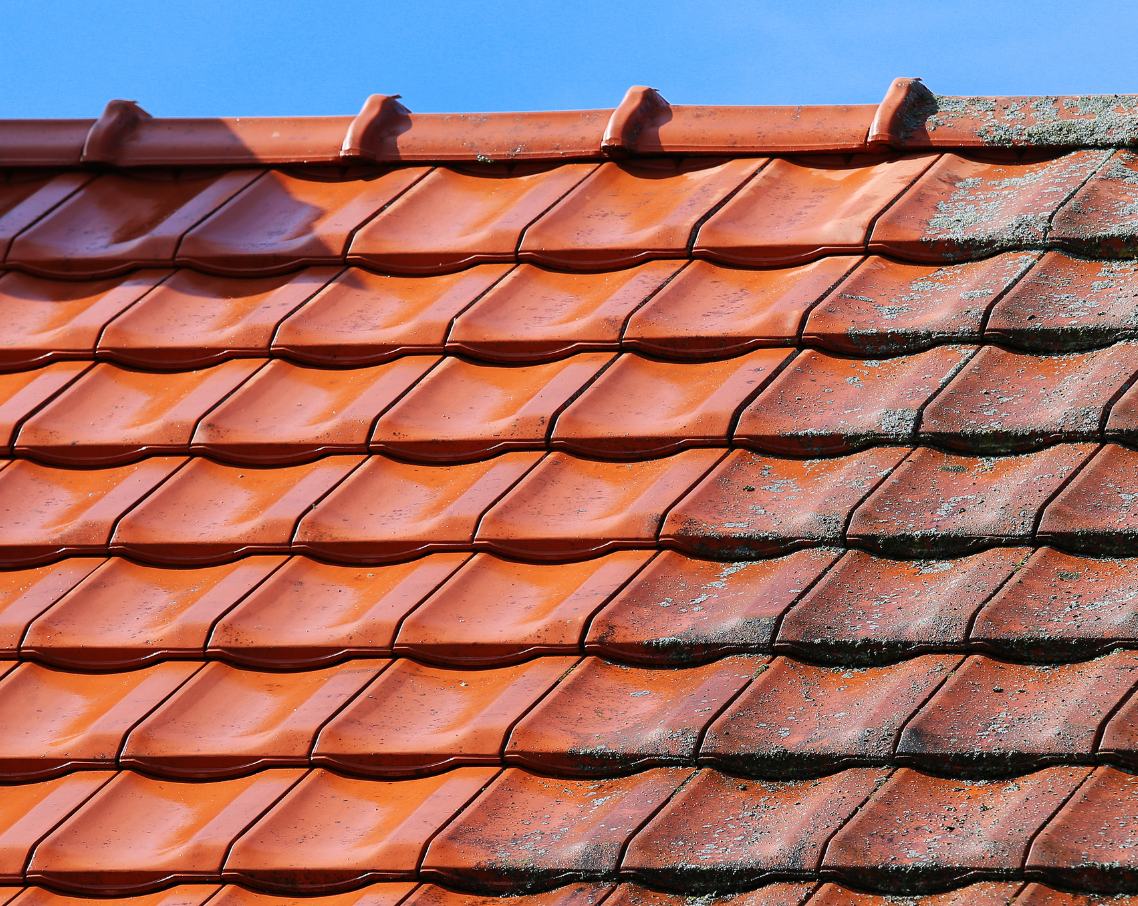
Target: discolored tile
(26,593)
(939,504)
(1098,220)
(536,315)
(125,615)
(569,508)
(569,895)
(794,211)
(1039,895)
(982,894)
(417,719)
(1119,740)
(391,510)
(776,894)
(681,611)
(720,832)
(799,719)
(333,831)
(463,410)
(289,413)
(495,611)
(1095,513)
(212,512)
(24,392)
(648,407)
(113,415)
(752,506)
(310,613)
(822,404)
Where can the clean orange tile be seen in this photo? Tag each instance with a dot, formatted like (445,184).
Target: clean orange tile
(125,615)
(26,593)
(48,512)
(390,894)
(24,392)
(113,415)
(228,721)
(418,719)
(44,320)
(361,318)
(290,413)
(310,613)
(26,196)
(534,314)
(567,508)
(713,311)
(391,510)
(793,211)
(213,512)
(54,721)
(495,611)
(285,220)
(625,213)
(196,319)
(645,407)
(459,216)
(179,895)
(118,222)
(463,410)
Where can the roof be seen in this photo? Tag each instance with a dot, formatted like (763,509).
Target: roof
(618,506)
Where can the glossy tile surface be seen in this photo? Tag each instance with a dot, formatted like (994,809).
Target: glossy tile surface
(23,393)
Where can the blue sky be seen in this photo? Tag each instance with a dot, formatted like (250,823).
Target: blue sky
(66,58)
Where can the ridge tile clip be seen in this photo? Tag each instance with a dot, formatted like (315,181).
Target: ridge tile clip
(111,131)
(904,109)
(640,107)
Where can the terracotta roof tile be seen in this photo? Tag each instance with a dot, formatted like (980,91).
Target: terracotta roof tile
(26,593)
(24,199)
(777,894)
(24,392)
(1094,513)
(179,895)
(390,894)
(1098,220)
(982,894)
(569,895)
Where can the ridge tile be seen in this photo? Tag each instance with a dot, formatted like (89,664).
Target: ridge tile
(24,392)
(1096,512)
(26,593)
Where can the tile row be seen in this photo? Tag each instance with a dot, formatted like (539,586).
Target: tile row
(484,829)
(450,410)
(633,607)
(423,220)
(395,893)
(734,505)
(337,317)
(752,716)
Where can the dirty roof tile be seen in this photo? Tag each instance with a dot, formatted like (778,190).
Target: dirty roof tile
(1040,895)
(332,831)
(995,716)
(721,832)
(105,848)
(821,404)
(126,615)
(867,609)
(44,320)
(310,613)
(964,208)
(753,506)
(625,213)
(463,410)
(890,307)
(644,407)
(213,512)
(49,512)
(569,895)
(456,217)
(117,222)
(712,311)
(1059,606)
(24,392)
(418,719)
(27,197)
(940,504)
(919,831)
(1089,843)
(291,413)
(1119,739)
(982,894)
(1122,423)
(29,811)
(526,831)
(196,319)
(1098,221)
(776,894)
(26,593)
(682,611)
(799,719)
(391,510)
(535,315)
(1068,303)
(1006,401)
(606,718)
(1096,513)
(227,721)
(53,721)
(361,318)
(568,507)
(797,210)
(113,415)
(286,220)
(495,611)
